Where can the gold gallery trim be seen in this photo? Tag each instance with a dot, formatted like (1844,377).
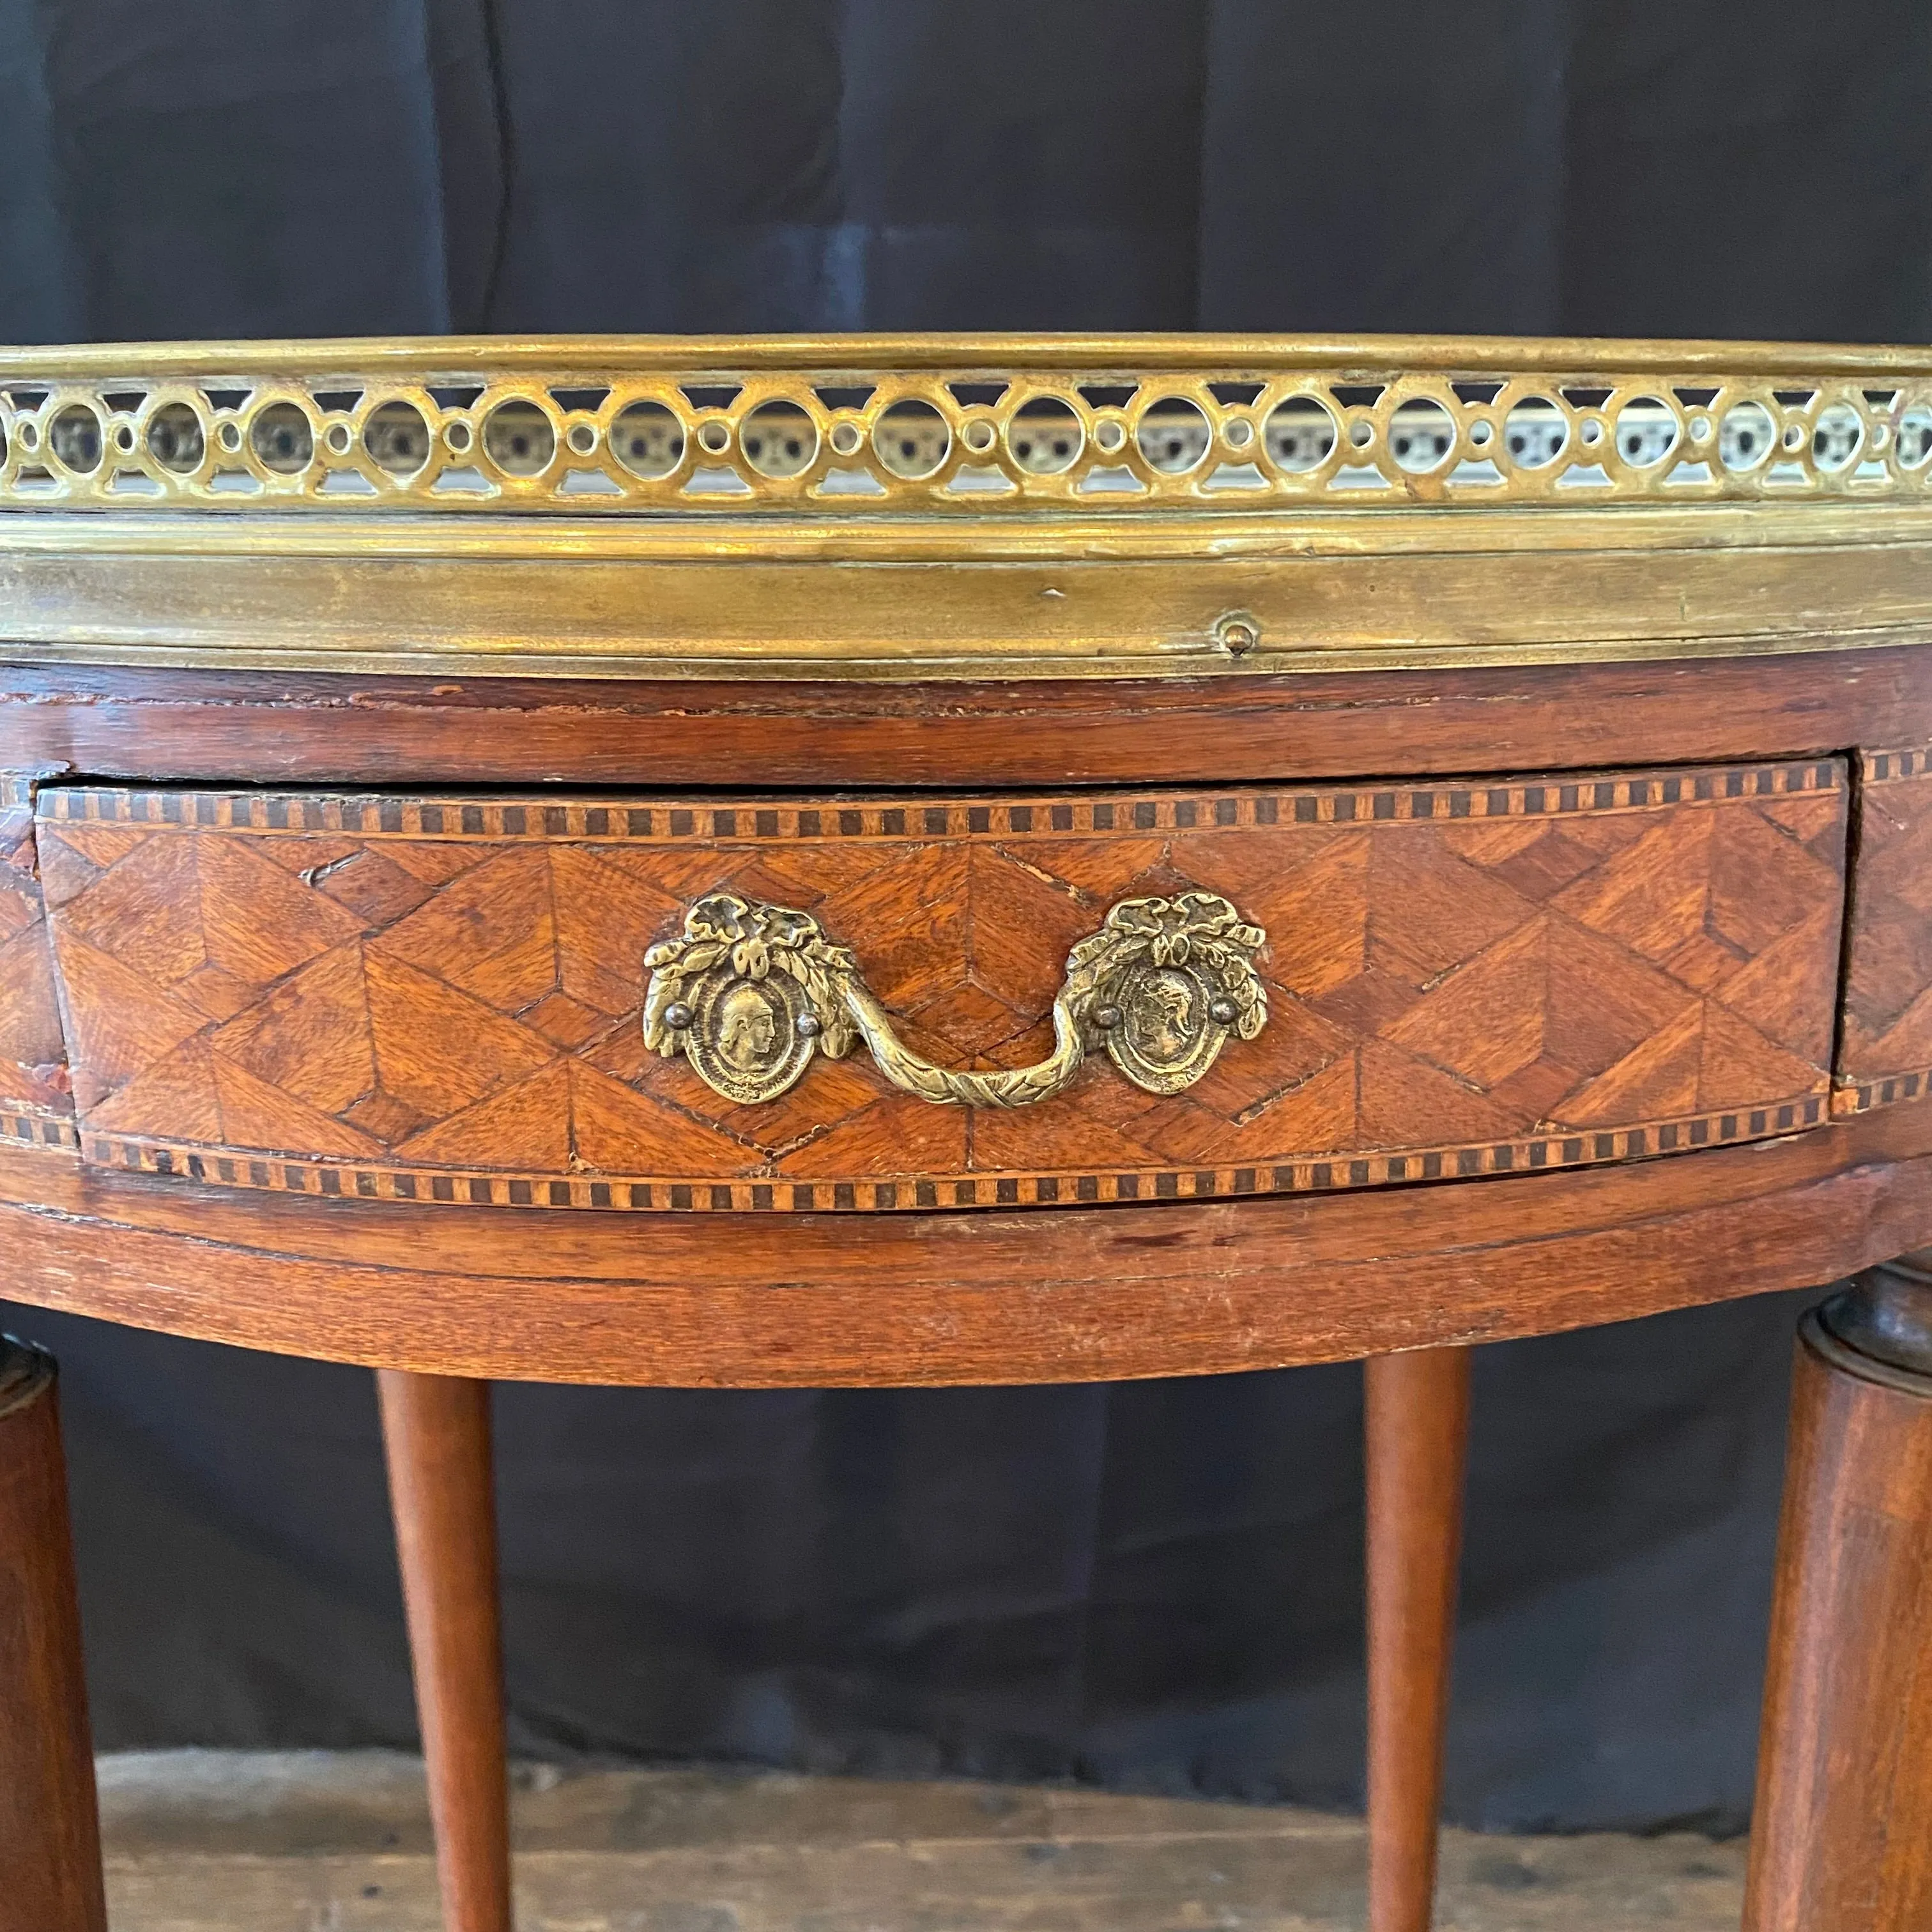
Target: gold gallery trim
(832,426)
(426,355)
(949,509)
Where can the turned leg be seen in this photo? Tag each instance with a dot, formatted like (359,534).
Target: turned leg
(436,1429)
(49,1830)
(1417,1419)
(1841,1836)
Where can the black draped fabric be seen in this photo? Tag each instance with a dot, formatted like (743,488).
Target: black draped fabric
(1155,1584)
(376,167)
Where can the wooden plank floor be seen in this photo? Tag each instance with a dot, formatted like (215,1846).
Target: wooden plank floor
(211,1842)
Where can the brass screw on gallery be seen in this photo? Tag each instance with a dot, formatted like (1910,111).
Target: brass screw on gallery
(1237,633)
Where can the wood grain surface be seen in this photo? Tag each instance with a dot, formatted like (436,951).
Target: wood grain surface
(437,1000)
(49,1827)
(812,1300)
(436,1441)
(1416,1440)
(1885,1049)
(1842,1827)
(208,1841)
(218,726)
(36,1104)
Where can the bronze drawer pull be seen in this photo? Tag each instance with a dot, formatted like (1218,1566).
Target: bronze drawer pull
(748,992)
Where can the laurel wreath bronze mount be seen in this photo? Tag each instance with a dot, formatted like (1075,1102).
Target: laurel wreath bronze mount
(748,992)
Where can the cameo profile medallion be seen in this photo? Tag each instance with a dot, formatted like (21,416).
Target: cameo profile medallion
(744,1038)
(1167,1036)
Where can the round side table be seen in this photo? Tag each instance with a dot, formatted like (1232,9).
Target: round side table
(864,861)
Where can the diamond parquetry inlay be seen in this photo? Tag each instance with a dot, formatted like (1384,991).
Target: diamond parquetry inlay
(1541,972)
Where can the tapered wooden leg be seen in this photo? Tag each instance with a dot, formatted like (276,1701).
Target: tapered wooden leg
(1841,1837)
(1417,1414)
(49,1830)
(436,1429)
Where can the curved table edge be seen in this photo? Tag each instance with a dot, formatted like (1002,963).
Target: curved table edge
(1040,1295)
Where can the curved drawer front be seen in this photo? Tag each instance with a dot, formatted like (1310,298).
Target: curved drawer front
(1885,1044)
(445,999)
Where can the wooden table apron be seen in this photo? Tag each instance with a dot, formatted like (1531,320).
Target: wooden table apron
(1399,844)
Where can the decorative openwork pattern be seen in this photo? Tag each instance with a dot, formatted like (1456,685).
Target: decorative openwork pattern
(709,437)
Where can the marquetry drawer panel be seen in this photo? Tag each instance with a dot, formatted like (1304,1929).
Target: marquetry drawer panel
(36,1108)
(1884,1047)
(439,999)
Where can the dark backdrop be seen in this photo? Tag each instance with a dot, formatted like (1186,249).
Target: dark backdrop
(1154,1585)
